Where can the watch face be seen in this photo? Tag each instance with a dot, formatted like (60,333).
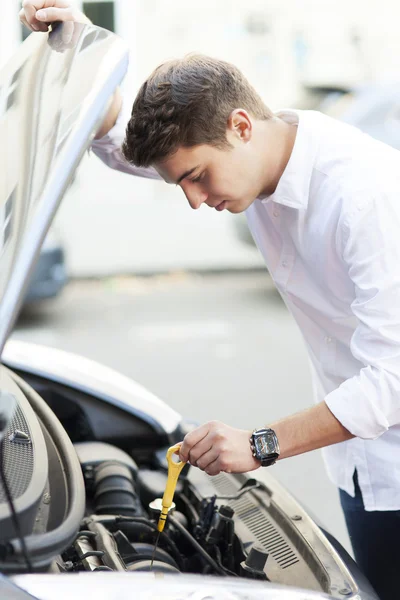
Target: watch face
(265,445)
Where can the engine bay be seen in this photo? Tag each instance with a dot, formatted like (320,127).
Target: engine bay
(85,504)
(120,530)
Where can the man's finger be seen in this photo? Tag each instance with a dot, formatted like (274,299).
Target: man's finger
(23,20)
(199,449)
(51,14)
(213,468)
(190,440)
(29,18)
(206,459)
(38,4)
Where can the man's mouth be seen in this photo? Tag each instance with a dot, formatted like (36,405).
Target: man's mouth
(221,206)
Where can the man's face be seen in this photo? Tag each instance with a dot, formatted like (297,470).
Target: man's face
(224,179)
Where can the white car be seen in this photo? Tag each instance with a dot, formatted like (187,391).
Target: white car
(82,447)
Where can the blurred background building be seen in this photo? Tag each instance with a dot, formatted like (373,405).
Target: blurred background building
(293,52)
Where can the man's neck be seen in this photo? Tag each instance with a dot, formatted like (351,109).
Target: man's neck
(276,148)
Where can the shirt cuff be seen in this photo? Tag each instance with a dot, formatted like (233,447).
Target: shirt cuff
(115,136)
(357,410)
(108,147)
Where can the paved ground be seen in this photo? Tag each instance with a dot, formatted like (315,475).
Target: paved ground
(213,346)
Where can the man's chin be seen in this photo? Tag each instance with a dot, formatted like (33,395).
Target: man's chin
(235,210)
(239,207)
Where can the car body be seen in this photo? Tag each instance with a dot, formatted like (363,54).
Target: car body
(84,448)
(374,108)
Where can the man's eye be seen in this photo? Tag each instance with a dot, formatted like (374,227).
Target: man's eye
(198,178)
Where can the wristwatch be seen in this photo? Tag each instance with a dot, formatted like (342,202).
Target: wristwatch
(265,446)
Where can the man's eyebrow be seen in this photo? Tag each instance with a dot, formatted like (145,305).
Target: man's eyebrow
(186,174)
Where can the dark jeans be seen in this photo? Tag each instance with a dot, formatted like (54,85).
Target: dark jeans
(375,538)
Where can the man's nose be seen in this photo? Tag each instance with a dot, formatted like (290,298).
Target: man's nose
(195,197)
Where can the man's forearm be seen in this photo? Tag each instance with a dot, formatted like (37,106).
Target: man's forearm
(216,447)
(111,116)
(310,429)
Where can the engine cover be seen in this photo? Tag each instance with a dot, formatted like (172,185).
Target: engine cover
(26,474)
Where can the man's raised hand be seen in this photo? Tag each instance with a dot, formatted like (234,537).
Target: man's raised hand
(37,15)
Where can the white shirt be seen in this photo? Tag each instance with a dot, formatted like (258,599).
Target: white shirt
(330,237)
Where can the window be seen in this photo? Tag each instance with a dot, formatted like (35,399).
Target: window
(100,13)
(24,32)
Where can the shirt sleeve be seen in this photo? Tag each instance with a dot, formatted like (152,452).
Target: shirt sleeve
(369,403)
(108,148)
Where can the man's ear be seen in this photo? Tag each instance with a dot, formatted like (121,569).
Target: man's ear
(240,124)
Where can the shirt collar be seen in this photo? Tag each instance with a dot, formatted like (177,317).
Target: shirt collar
(294,185)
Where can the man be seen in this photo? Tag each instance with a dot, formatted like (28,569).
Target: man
(322,202)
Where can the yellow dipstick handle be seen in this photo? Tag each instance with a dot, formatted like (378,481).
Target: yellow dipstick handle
(174,469)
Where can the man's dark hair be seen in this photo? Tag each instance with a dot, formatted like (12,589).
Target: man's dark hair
(184,103)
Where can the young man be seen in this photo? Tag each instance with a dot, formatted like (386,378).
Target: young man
(322,202)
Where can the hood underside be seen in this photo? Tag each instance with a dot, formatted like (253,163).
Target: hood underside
(53,96)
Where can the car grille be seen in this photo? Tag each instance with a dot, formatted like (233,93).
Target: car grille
(258,523)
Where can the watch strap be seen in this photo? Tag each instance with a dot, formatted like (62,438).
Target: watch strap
(268,462)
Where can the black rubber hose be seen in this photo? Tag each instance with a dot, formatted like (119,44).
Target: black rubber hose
(151,528)
(189,507)
(114,490)
(196,545)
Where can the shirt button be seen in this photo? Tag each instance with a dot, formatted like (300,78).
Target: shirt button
(276,213)
(285,263)
(328,340)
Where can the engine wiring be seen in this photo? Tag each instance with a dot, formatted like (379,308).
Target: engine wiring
(219,561)
(215,564)
(219,568)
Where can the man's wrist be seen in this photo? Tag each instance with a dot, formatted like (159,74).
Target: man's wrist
(313,428)
(264,445)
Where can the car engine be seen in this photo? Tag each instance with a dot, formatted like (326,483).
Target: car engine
(120,530)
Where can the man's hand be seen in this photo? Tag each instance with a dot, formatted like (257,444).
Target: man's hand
(215,447)
(37,15)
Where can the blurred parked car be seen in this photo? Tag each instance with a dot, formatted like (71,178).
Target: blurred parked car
(84,448)
(373,108)
(49,276)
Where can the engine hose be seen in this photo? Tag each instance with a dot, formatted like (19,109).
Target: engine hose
(196,545)
(124,522)
(219,557)
(188,505)
(114,490)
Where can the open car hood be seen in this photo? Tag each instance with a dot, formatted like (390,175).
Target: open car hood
(54,93)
